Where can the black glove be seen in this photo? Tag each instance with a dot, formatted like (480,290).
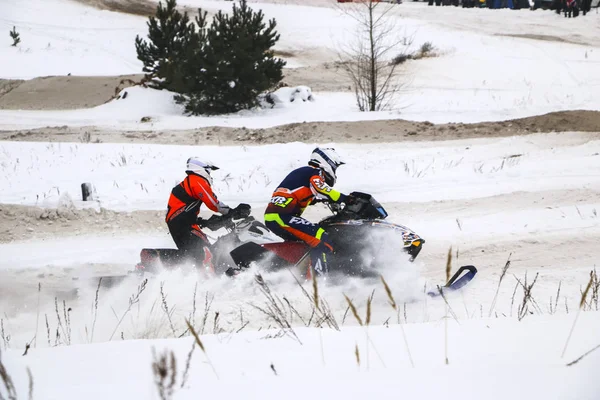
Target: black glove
(213,223)
(241,211)
(350,199)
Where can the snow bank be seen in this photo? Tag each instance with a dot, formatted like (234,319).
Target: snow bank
(487,359)
(286,96)
(525,74)
(136,176)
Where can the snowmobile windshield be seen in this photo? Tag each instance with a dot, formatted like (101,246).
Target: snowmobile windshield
(376,209)
(366,207)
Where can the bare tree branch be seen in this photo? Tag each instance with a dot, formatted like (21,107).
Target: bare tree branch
(367,60)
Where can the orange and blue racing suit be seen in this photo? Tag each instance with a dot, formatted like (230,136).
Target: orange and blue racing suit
(182,216)
(283,216)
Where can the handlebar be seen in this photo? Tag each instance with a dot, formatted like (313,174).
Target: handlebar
(215,222)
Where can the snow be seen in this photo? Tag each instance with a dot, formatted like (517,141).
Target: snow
(137,176)
(76,39)
(493,359)
(520,77)
(532,198)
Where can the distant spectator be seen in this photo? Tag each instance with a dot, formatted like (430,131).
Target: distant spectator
(571,8)
(586,6)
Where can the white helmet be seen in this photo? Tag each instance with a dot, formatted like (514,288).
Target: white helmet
(328,160)
(202,168)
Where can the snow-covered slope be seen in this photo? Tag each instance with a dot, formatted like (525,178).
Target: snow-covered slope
(490,359)
(485,70)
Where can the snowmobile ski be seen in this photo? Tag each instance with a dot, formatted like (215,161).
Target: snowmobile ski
(456,282)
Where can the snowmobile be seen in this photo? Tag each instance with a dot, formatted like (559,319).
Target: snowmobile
(359,233)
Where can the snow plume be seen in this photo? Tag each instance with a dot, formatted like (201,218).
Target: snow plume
(159,307)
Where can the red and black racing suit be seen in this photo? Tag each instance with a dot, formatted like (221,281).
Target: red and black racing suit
(182,216)
(283,215)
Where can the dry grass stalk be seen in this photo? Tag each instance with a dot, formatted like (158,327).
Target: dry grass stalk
(357,355)
(30,378)
(207,306)
(37,318)
(388,291)
(188,363)
(354,311)
(292,311)
(95,309)
(7,381)
(5,337)
(165,308)
(274,308)
(581,304)
(192,316)
(201,345)
(345,314)
(134,299)
(502,275)
(164,369)
(523,309)
(47,329)
(449,265)
(595,288)
(369,302)
(273,369)
(556,300)
(216,328)
(582,356)
(448,275)
(512,300)
(323,312)
(66,326)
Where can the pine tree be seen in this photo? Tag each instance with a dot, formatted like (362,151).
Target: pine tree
(15,36)
(172,40)
(235,64)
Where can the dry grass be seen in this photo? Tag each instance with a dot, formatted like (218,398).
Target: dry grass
(4,336)
(394,306)
(274,309)
(528,300)
(502,275)
(201,345)
(7,383)
(165,308)
(164,369)
(582,356)
(188,362)
(134,299)
(582,302)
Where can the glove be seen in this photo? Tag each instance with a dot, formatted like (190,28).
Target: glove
(350,199)
(241,211)
(324,247)
(213,223)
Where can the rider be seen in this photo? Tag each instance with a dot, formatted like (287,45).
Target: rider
(302,187)
(184,206)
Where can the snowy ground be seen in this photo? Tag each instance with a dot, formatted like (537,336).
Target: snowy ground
(522,76)
(531,199)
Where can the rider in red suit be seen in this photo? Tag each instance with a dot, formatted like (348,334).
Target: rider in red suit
(184,206)
(302,187)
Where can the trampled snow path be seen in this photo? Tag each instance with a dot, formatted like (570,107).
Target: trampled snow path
(136,176)
(541,206)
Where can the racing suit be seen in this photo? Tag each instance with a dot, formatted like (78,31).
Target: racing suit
(283,216)
(182,217)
